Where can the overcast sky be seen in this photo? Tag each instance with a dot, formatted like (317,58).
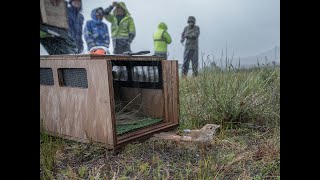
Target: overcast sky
(249,27)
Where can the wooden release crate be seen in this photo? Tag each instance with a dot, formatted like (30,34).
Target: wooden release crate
(81,105)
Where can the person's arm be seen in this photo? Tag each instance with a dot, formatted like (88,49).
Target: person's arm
(132,30)
(107,39)
(167,37)
(88,36)
(107,11)
(195,34)
(183,37)
(80,40)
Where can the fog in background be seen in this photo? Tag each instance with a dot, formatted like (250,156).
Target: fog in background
(246,27)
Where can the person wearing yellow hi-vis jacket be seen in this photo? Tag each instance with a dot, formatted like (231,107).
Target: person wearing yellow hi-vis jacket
(122,27)
(160,40)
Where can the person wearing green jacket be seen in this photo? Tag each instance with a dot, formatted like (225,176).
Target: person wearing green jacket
(122,27)
(161,38)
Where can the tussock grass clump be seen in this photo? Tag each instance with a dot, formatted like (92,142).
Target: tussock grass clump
(231,97)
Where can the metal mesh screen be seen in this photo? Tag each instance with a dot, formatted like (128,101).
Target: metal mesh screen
(46,76)
(73,77)
(120,73)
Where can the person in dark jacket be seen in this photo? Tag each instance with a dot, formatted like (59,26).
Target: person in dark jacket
(96,32)
(75,22)
(191,34)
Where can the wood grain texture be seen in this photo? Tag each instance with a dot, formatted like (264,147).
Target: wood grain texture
(54,15)
(145,131)
(78,112)
(102,57)
(112,135)
(167,90)
(175,91)
(87,114)
(171,90)
(150,100)
(43,12)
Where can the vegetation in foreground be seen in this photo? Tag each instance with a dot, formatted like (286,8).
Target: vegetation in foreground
(246,103)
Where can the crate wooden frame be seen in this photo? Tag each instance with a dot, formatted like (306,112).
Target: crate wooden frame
(86,115)
(54,15)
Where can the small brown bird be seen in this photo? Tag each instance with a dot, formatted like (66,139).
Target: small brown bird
(203,135)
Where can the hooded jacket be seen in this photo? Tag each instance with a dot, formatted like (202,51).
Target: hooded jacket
(125,29)
(96,32)
(161,38)
(75,22)
(191,34)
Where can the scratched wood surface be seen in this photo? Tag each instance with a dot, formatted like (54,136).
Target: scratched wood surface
(101,57)
(78,112)
(171,90)
(84,114)
(150,100)
(54,15)
(175,91)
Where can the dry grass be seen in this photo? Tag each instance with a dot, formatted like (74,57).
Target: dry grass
(245,103)
(242,153)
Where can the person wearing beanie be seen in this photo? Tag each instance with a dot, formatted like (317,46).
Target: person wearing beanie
(191,35)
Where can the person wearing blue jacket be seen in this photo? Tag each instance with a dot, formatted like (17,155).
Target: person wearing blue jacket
(96,32)
(75,22)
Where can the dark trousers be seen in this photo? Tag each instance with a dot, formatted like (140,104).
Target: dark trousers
(120,46)
(190,55)
(163,55)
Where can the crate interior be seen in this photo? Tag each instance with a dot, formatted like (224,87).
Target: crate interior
(138,94)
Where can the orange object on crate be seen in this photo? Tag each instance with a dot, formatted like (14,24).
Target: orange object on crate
(100,50)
